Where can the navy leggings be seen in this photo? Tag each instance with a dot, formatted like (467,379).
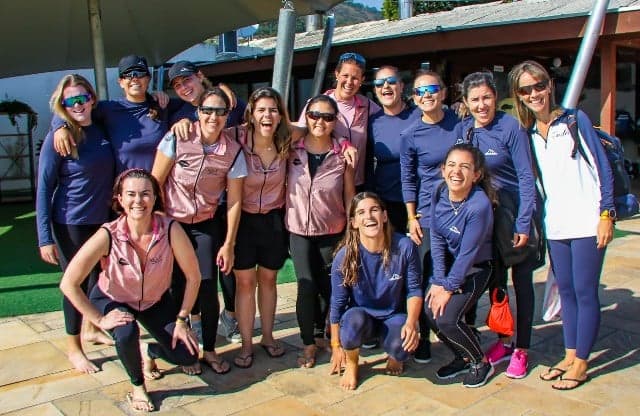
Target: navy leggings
(357,326)
(451,328)
(577,264)
(69,238)
(312,257)
(159,320)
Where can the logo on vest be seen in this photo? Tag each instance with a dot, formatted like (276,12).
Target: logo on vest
(123,262)
(297,162)
(155,260)
(183,163)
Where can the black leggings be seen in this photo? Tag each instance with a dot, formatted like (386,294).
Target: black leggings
(206,239)
(450,327)
(522,277)
(397,212)
(312,257)
(69,238)
(159,320)
(227,281)
(427,271)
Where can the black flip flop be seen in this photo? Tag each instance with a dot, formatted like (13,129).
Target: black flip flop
(275,346)
(243,360)
(575,380)
(557,376)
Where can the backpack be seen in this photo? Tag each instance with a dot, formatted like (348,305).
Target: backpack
(625,202)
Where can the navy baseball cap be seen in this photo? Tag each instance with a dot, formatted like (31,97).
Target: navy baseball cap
(181,69)
(132,63)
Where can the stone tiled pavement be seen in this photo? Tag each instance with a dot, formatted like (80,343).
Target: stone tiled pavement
(36,378)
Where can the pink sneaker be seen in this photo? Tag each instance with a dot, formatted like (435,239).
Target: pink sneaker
(499,352)
(518,365)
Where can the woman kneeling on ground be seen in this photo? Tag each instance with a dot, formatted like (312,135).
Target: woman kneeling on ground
(136,253)
(375,290)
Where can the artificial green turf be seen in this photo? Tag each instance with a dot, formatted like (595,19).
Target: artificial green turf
(29,285)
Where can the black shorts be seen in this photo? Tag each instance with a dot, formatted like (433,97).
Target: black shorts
(261,241)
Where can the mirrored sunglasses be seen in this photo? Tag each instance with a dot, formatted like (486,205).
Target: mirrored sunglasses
(389,80)
(134,74)
(77,99)
(218,111)
(528,89)
(431,89)
(352,56)
(316,115)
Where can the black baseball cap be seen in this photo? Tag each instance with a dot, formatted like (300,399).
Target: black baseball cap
(132,63)
(181,69)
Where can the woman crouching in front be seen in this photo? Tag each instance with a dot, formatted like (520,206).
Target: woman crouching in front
(136,253)
(375,290)
(461,233)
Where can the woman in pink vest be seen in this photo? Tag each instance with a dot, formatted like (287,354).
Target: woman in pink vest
(261,247)
(320,186)
(194,173)
(136,253)
(354,108)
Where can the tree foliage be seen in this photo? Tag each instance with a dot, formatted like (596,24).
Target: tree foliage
(391,8)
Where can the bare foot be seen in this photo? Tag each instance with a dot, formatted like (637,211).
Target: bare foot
(150,369)
(192,370)
(394,368)
(82,363)
(308,358)
(349,380)
(139,400)
(97,337)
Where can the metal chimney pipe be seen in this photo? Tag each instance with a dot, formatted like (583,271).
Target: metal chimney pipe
(406,9)
(313,22)
(585,53)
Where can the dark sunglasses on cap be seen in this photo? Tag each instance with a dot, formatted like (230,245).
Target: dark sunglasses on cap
(134,74)
(219,111)
(431,89)
(316,115)
(528,89)
(352,56)
(389,80)
(77,99)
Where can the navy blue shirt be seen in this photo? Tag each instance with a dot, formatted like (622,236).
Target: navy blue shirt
(71,191)
(383,170)
(179,109)
(424,147)
(465,235)
(381,291)
(505,145)
(133,133)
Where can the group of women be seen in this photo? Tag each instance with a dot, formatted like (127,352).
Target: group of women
(290,189)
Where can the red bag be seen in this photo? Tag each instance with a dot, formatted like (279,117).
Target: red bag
(499,319)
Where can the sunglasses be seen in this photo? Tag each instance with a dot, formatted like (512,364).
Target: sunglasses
(81,99)
(431,89)
(218,111)
(528,89)
(316,115)
(134,74)
(352,56)
(389,80)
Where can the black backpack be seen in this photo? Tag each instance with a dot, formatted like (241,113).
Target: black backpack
(626,203)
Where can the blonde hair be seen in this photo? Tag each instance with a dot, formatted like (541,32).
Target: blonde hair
(71,80)
(524,115)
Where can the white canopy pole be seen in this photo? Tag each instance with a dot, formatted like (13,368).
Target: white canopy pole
(100,68)
(583,60)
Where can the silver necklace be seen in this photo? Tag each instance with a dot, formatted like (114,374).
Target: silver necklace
(456,209)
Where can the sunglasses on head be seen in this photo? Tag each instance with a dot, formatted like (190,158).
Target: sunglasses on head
(77,99)
(389,80)
(134,74)
(352,56)
(431,89)
(528,89)
(219,111)
(316,115)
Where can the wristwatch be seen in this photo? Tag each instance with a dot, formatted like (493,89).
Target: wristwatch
(609,214)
